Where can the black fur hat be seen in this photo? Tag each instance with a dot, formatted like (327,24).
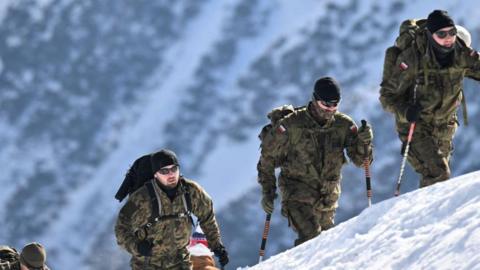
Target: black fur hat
(163,158)
(437,20)
(326,89)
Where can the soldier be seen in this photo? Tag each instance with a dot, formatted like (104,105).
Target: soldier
(425,88)
(155,225)
(32,257)
(308,146)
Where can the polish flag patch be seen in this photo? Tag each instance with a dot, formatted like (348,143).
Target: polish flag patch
(403,66)
(353,128)
(281,129)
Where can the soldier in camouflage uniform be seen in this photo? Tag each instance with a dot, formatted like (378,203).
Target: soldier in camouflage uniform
(162,244)
(425,87)
(308,146)
(32,257)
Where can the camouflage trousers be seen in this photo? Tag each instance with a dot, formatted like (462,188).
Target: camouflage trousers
(307,220)
(166,264)
(430,150)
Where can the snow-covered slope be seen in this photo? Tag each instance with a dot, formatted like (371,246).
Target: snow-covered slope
(436,228)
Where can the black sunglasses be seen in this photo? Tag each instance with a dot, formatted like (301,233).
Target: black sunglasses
(443,34)
(166,171)
(330,104)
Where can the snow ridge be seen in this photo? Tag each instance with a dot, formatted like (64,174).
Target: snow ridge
(437,227)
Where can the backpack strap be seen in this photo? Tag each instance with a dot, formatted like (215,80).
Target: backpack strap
(464,103)
(155,203)
(187,201)
(464,109)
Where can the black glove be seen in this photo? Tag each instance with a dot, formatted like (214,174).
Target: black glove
(268,201)
(222,255)
(144,248)
(413,112)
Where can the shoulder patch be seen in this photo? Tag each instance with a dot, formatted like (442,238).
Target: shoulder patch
(281,129)
(354,129)
(403,66)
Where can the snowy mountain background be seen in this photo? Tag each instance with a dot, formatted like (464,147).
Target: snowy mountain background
(88,86)
(433,228)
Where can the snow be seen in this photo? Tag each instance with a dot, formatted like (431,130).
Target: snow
(222,163)
(4,6)
(437,227)
(225,175)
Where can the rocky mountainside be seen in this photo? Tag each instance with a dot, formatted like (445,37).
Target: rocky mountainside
(86,87)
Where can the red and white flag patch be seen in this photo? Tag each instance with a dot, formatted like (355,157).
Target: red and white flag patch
(403,66)
(281,129)
(353,128)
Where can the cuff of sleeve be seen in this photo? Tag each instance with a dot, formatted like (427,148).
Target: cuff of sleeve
(216,246)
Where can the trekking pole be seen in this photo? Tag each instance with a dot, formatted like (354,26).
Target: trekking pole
(264,237)
(407,147)
(366,165)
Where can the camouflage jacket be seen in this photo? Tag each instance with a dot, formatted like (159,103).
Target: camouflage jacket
(10,265)
(14,266)
(310,156)
(439,90)
(171,236)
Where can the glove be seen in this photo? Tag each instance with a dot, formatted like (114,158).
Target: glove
(365,134)
(268,199)
(144,248)
(413,112)
(222,255)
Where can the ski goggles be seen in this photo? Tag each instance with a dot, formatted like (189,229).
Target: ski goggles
(327,105)
(441,34)
(166,170)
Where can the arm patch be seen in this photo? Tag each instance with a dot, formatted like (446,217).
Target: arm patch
(354,129)
(281,129)
(403,66)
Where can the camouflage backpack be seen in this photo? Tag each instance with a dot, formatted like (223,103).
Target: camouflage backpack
(8,254)
(276,115)
(406,38)
(140,174)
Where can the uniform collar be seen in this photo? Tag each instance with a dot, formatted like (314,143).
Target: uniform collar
(171,193)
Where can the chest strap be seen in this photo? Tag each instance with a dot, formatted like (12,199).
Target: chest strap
(156,205)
